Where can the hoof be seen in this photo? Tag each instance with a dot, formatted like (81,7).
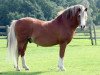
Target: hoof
(17,69)
(61,68)
(26,68)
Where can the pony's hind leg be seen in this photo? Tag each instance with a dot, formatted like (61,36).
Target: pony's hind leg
(22,53)
(24,63)
(16,63)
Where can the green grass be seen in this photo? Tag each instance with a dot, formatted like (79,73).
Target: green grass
(81,58)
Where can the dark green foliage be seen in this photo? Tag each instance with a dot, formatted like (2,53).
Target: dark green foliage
(15,9)
(41,9)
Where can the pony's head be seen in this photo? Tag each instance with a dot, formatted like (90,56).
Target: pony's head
(80,12)
(77,14)
(82,16)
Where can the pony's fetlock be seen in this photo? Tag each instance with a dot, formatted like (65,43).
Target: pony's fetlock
(25,67)
(61,68)
(17,68)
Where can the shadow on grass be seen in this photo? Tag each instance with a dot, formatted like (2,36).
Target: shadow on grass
(23,73)
(82,45)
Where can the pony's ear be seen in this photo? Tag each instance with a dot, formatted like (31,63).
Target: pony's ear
(85,9)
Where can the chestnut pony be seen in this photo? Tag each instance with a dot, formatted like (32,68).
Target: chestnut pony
(45,33)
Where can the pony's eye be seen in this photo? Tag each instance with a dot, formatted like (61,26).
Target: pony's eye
(85,9)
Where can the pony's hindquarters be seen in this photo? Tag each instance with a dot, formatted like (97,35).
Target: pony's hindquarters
(12,44)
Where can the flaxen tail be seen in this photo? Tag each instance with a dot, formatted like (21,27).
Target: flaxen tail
(12,43)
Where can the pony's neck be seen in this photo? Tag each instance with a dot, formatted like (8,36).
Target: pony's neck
(59,20)
(67,22)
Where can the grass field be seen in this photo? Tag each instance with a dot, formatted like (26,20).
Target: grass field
(81,58)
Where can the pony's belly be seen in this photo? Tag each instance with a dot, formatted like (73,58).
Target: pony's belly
(45,41)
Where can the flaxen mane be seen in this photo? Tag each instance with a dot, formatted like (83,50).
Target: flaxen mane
(71,11)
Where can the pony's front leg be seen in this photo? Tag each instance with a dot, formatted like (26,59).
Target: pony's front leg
(24,63)
(61,57)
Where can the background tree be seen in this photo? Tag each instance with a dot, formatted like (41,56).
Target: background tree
(42,9)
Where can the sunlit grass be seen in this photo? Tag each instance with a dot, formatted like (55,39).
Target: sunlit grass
(81,58)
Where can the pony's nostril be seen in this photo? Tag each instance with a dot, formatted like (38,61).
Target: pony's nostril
(83,26)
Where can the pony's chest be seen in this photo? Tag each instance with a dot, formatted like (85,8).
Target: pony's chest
(65,36)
